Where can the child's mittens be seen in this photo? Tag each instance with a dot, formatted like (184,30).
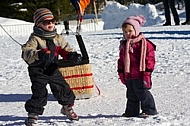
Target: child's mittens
(74,57)
(44,54)
(122,77)
(147,80)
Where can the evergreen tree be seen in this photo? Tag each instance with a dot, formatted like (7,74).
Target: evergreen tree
(24,9)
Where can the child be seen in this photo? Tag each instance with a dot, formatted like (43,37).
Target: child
(41,53)
(135,64)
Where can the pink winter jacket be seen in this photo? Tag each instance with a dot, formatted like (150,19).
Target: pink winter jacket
(135,73)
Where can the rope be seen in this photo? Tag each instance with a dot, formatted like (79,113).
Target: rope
(10,36)
(97,89)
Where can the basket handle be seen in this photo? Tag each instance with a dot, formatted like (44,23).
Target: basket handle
(82,47)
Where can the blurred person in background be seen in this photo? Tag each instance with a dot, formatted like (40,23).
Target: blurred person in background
(187,11)
(170,4)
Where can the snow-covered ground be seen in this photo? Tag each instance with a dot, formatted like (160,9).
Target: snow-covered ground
(171,85)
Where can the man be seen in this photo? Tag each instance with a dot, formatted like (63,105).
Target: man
(170,4)
(187,10)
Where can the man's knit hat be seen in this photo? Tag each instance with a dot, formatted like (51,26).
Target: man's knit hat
(42,14)
(136,22)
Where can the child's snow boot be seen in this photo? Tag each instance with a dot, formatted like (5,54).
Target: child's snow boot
(144,115)
(69,112)
(32,119)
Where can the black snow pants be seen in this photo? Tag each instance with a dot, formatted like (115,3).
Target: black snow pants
(138,97)
(170,4)
(58,86)
(187,9)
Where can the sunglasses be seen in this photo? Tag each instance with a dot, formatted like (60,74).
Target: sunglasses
(47,22)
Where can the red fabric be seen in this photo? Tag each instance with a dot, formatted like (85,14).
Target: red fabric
(147,80)
(63,53)
(45,50)
(79,75)
(83,87)
(135,73)
(58,51)
(122,78)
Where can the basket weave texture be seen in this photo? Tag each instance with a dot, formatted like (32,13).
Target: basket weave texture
(80,79)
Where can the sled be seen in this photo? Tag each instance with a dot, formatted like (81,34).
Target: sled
(79,76)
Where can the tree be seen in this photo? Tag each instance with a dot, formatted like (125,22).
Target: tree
(12,9)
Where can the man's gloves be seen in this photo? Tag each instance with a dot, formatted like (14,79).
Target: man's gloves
(74,57)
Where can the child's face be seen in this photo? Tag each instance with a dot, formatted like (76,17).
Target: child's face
(128,31)
(48,25)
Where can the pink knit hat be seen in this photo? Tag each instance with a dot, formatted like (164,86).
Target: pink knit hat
(136,22)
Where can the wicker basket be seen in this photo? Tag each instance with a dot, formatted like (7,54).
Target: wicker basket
(80,80)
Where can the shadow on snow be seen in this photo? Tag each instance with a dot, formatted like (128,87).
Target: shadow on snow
(15,120)
(154,32)
(20,97)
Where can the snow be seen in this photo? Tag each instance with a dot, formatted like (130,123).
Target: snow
(6,21)
(119,13)
(171,85)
